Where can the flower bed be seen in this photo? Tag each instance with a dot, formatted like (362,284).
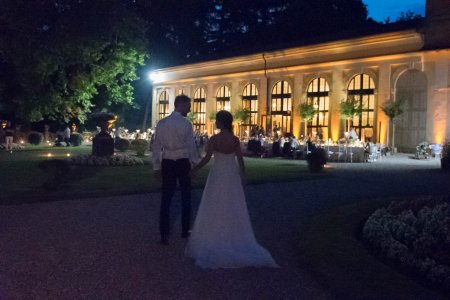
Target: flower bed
(414,235)
(13,145)
(114,160)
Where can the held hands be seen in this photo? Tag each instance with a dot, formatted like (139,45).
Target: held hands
(193,172)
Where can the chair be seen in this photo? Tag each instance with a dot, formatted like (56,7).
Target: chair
(379,147)
(306,151)
(342,150)
(374,153)
(436,151)
(350,153)
(330,153)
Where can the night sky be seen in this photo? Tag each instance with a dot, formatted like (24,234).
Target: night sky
(380,9)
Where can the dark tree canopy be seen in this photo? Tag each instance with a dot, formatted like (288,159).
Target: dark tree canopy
(62,59)
(192,31)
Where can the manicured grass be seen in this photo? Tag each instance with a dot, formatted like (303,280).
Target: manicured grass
(332,252)
(21,179)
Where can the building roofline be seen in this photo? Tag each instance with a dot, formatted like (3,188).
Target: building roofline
(366,46)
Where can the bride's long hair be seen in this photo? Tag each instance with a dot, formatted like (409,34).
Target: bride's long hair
(226,119)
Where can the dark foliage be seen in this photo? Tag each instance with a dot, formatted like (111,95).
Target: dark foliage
(35,138)
(316,160)
(76,139)
(139,145)
(121,144)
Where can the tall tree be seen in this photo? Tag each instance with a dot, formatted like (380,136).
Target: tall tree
(65,58)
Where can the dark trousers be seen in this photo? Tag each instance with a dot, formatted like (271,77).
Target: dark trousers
(171,170)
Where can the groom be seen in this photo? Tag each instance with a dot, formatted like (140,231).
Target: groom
(174,152)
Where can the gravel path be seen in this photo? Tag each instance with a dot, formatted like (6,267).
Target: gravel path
(108,248)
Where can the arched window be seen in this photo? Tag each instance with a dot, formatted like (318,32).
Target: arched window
(199,108)
(163,105)
(281,106)
(180,92)
(362,89)
(223,98)
(317,95)
(250,102)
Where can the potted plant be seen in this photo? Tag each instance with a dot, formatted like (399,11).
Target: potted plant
(241,116)
(306,112)
(316,160)
(192,117)
(393,109)
(350,108)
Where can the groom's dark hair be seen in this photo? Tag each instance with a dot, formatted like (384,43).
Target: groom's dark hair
(181,99)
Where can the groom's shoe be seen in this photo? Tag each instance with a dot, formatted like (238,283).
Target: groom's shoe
(185,235)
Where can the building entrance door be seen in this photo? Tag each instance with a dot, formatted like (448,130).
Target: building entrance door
(410,127)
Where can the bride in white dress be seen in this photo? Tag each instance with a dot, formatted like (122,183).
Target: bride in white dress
(222,236)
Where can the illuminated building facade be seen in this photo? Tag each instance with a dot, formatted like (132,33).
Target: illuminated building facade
(410,64)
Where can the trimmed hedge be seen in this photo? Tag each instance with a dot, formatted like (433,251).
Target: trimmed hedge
(121,144)
(113,160)
(35,138)
(414,235)
(76,139)
(316,159)
(139,145)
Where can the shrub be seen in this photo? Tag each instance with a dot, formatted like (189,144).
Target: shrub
(76,139)
(35,138)
(122,144)
(316,159)
(113,160)
(415,235)
(139,145)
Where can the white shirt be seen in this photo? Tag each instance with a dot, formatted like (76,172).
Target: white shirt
(67,132)
(352,134)
(174,139)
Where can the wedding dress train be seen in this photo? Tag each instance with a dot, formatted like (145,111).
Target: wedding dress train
(222,236)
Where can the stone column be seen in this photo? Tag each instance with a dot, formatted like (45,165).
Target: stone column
(385,93)
(297,98)
(337,94)
(263,110)
(171,92)
(438,112)
(210,106)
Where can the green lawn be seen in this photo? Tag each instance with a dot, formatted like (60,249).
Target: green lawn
(21,180)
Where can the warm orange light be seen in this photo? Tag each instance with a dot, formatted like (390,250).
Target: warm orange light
(335,133)
(111,122)
(439,133)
